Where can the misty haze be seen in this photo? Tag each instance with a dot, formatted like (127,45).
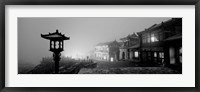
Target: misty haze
(100,45)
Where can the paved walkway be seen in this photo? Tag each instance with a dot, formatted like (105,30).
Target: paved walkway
(130,70)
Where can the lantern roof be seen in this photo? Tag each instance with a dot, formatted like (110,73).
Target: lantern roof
(55,36)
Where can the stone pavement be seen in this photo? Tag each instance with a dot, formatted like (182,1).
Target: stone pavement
(130,70)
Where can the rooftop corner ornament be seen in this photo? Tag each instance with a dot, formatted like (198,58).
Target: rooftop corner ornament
(56,46)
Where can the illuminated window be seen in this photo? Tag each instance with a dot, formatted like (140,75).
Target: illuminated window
(154,37)
(155,54)
(104,57)
(161,58)
(161,55)
(180,55)
(111,59)
(136,54)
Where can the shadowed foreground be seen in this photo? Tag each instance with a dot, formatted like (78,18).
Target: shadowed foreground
(130,70)
(67,66)
(71,66)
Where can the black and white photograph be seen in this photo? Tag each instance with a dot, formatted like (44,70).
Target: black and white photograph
(99,45)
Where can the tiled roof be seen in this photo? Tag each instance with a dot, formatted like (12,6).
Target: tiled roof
(55,36)
(170,21)
(134,46)
(134,35)
(108,43)
(175,37)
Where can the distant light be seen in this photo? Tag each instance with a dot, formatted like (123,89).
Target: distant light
(104,57)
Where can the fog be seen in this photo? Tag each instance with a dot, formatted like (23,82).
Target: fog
(84,34)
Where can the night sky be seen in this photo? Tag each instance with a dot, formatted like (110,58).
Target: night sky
(84,34)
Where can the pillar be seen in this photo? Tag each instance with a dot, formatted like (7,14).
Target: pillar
(56,57)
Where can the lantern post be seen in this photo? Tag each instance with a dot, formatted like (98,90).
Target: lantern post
(56,46)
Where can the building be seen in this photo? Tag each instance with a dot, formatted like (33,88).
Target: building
(162,43)
(129,49)
(108,51)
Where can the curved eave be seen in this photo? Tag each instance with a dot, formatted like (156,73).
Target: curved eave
(55,38)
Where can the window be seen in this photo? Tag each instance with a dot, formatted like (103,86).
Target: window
(104,58)
(111,59)
(148,38)
(161,36)
(154,37)
(136,54)
(161,55)
(149,55)
(144,56)
(144,39)
(155,56)
(123,55)
(161,58)
(180,54)
(128,54)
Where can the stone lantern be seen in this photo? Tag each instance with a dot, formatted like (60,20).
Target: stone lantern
(56,46)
